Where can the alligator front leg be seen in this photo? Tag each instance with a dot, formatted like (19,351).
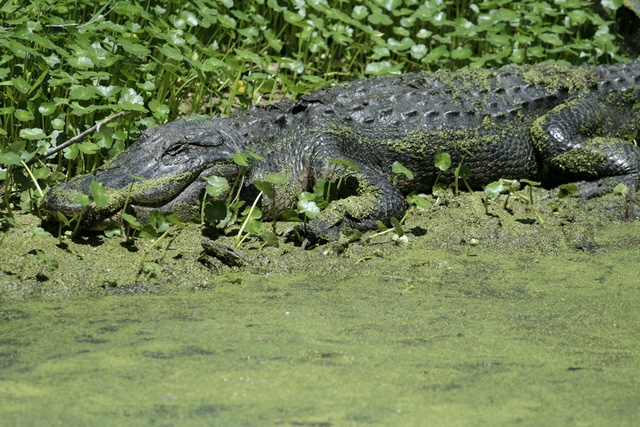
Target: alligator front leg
(364,198)
(587,139)
(358,196)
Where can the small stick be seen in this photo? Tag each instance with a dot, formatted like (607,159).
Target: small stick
(95,18)
(80,136)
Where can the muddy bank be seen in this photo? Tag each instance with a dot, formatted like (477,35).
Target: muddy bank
(458,227)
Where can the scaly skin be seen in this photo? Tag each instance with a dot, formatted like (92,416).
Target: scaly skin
(552,123)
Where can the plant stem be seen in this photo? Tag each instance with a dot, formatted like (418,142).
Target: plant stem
(240,238)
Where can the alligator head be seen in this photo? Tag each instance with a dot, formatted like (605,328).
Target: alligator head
(163,170)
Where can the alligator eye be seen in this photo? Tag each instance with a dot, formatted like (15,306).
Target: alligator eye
(177,153)
(176,149)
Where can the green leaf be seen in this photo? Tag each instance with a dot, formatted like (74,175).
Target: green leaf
(461,53)
(137,50)
(420,200)
(253,227)
(47,108)
(160,110)
(275,178)
(401,45)
(289,215)
(249,56)
(216,211)
(82,199)
(511,185)
(399,168)
(344,162)
(171,53)
(32,134)
(350,234)
(254,213)
(216,185)
(41,173)
(213,64)
(7,110)
(443,161)
(9,158)
(319,188)
(131,220)
(494,189)
(275,5)
(381,68)
(37,231)
(21,85)
(270,239)
(107,91)
(112,232)
(81,62)
(621,189)
(49,259)
(397,227)
(82,93)
(147,231)
(266,188)
(306,196)
(159,220)
(130,100)
(23,115)
(255,156)
(531,183)
(241,159)
(309,208)
(88,147)
(98,192)
(227,21)
(438,189)
(359,12)
(567,190)
(381,227)
(550,38)
(463,171)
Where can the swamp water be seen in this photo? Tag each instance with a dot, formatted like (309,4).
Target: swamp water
(420,335)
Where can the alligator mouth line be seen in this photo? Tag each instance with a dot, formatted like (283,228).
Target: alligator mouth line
(136,197)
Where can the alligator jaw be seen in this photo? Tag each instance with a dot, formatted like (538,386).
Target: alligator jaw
(140,196)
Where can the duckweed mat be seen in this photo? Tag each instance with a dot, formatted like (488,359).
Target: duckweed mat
(536,325)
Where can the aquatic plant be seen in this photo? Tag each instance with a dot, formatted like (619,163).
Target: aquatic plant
(157,228)
(442,162)
(66,65)
(511,187)
(252,216)
(566,191)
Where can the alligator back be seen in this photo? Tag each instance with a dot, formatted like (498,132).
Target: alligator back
(485,115)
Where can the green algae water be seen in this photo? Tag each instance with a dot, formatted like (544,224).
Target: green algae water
(537,325)
(450,340)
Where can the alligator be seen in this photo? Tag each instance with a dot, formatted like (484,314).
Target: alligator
(552,123)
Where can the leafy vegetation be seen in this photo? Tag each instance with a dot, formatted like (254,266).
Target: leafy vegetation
(67,65)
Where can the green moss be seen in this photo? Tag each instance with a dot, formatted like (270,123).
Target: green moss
(555,77)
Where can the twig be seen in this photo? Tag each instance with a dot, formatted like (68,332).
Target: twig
(95,18)
(79,137)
